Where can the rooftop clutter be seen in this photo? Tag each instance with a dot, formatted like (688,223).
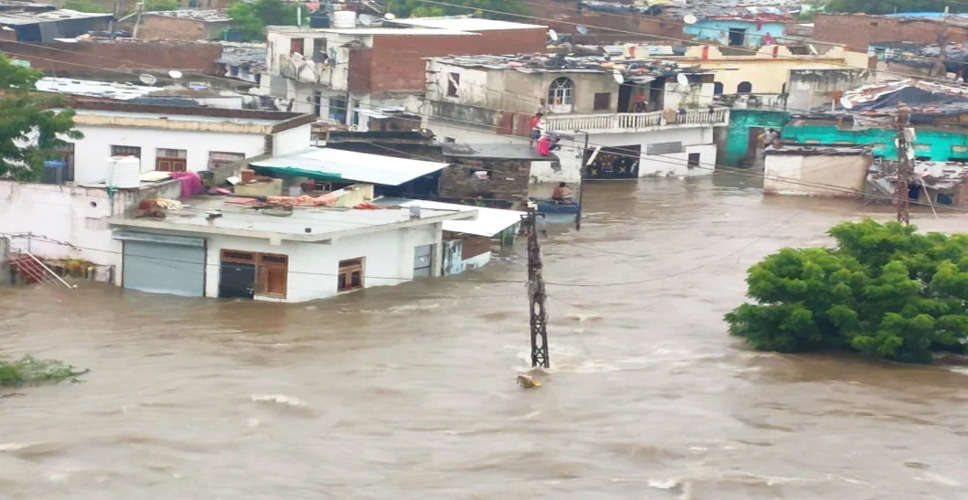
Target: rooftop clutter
(631,69)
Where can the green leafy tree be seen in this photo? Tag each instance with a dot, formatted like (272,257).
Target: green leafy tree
(251,19)
(892,6)
(418,8)
(160,5)
(88,6)
(884,291)
(29,128)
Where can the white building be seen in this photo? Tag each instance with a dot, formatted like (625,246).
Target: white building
(639,117)
(342,72)
(174,139)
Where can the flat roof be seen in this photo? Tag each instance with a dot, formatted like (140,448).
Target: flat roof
(179,117)
(463,23)
(306,224)
(350,165)
(504,151)
(489,221)
(208,16)
(19,18)
(370,31)
(113,90)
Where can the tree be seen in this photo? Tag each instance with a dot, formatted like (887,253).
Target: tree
(892,6)
(161,5)
(884,291)
(250,19)
(87,6)
(29,128)
(419,8)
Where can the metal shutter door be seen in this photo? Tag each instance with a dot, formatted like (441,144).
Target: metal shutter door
(164,268)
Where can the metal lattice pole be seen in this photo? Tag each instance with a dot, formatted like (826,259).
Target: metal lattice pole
(536,295)
(902,196)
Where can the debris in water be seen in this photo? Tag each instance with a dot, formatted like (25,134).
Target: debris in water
(528,382)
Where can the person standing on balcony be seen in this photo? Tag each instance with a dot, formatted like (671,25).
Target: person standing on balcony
(536,126)
(640,105)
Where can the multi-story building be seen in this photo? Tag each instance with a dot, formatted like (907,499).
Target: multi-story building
(638,117)
(343,73)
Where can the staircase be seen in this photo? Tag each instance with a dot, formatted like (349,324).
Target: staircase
(33,270)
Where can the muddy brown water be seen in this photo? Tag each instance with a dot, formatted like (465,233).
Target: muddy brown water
(409,391)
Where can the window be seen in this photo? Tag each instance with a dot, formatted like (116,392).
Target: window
(126,151)
(959,149)
(350,274)
(922,147)
(171,160)
(337,109)
(561,92)
(718,88)
(744,88)
(737,37)
(603,101)
(319,50)
(453,83)
(693,161)
(296,45)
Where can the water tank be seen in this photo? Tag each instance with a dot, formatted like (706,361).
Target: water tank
(319,19)
(124,171)
(344,19)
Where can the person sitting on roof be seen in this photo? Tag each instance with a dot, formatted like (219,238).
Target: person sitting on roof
(561,194)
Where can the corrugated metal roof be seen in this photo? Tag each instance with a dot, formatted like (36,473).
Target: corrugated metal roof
(489,221)
(350,165)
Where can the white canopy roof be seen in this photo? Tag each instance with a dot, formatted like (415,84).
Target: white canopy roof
(489,221)
(353,166)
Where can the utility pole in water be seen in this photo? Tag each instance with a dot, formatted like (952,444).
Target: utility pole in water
(536,294)
(902,197)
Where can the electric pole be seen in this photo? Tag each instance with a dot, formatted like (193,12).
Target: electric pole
(902,197)
(536,294)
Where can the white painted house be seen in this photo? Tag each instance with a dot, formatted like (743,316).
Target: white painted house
(315,253)
(171,138)
(639,117)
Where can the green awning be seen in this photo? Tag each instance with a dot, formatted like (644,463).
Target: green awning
(299,172)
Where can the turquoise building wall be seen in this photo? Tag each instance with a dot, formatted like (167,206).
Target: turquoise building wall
(719,30)
(740,123)
(934,144)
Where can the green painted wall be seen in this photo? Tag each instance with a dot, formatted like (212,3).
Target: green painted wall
(935,144)
(740,122)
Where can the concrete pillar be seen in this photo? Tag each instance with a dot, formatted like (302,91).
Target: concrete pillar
(6,277)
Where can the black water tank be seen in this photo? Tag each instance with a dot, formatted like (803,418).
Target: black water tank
(319,19)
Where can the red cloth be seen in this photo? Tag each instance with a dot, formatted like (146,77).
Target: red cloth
(533,124)
(544,146)
(191,183)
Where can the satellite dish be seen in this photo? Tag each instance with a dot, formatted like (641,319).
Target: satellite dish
(690,19)
(147,79)
(389,16)
(581,29)
(619,78)
(553,35)
(175,74)
(367,19)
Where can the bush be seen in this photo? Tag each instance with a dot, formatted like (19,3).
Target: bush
(884,291)
(35,371)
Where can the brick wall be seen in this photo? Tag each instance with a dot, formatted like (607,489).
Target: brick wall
(396,61)
(171,28)
(508,181)
(857,31)
(83,57)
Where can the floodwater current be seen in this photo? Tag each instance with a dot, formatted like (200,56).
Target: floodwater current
(409,391)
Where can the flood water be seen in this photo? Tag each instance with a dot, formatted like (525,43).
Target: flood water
(409,391)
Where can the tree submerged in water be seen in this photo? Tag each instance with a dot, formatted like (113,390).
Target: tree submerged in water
(29,370)
(884,291)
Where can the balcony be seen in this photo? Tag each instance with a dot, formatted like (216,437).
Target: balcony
(636,122)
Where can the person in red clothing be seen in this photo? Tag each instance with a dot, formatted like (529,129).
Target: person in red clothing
(535,127)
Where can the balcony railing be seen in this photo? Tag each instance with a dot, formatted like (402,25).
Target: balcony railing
(639,121)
